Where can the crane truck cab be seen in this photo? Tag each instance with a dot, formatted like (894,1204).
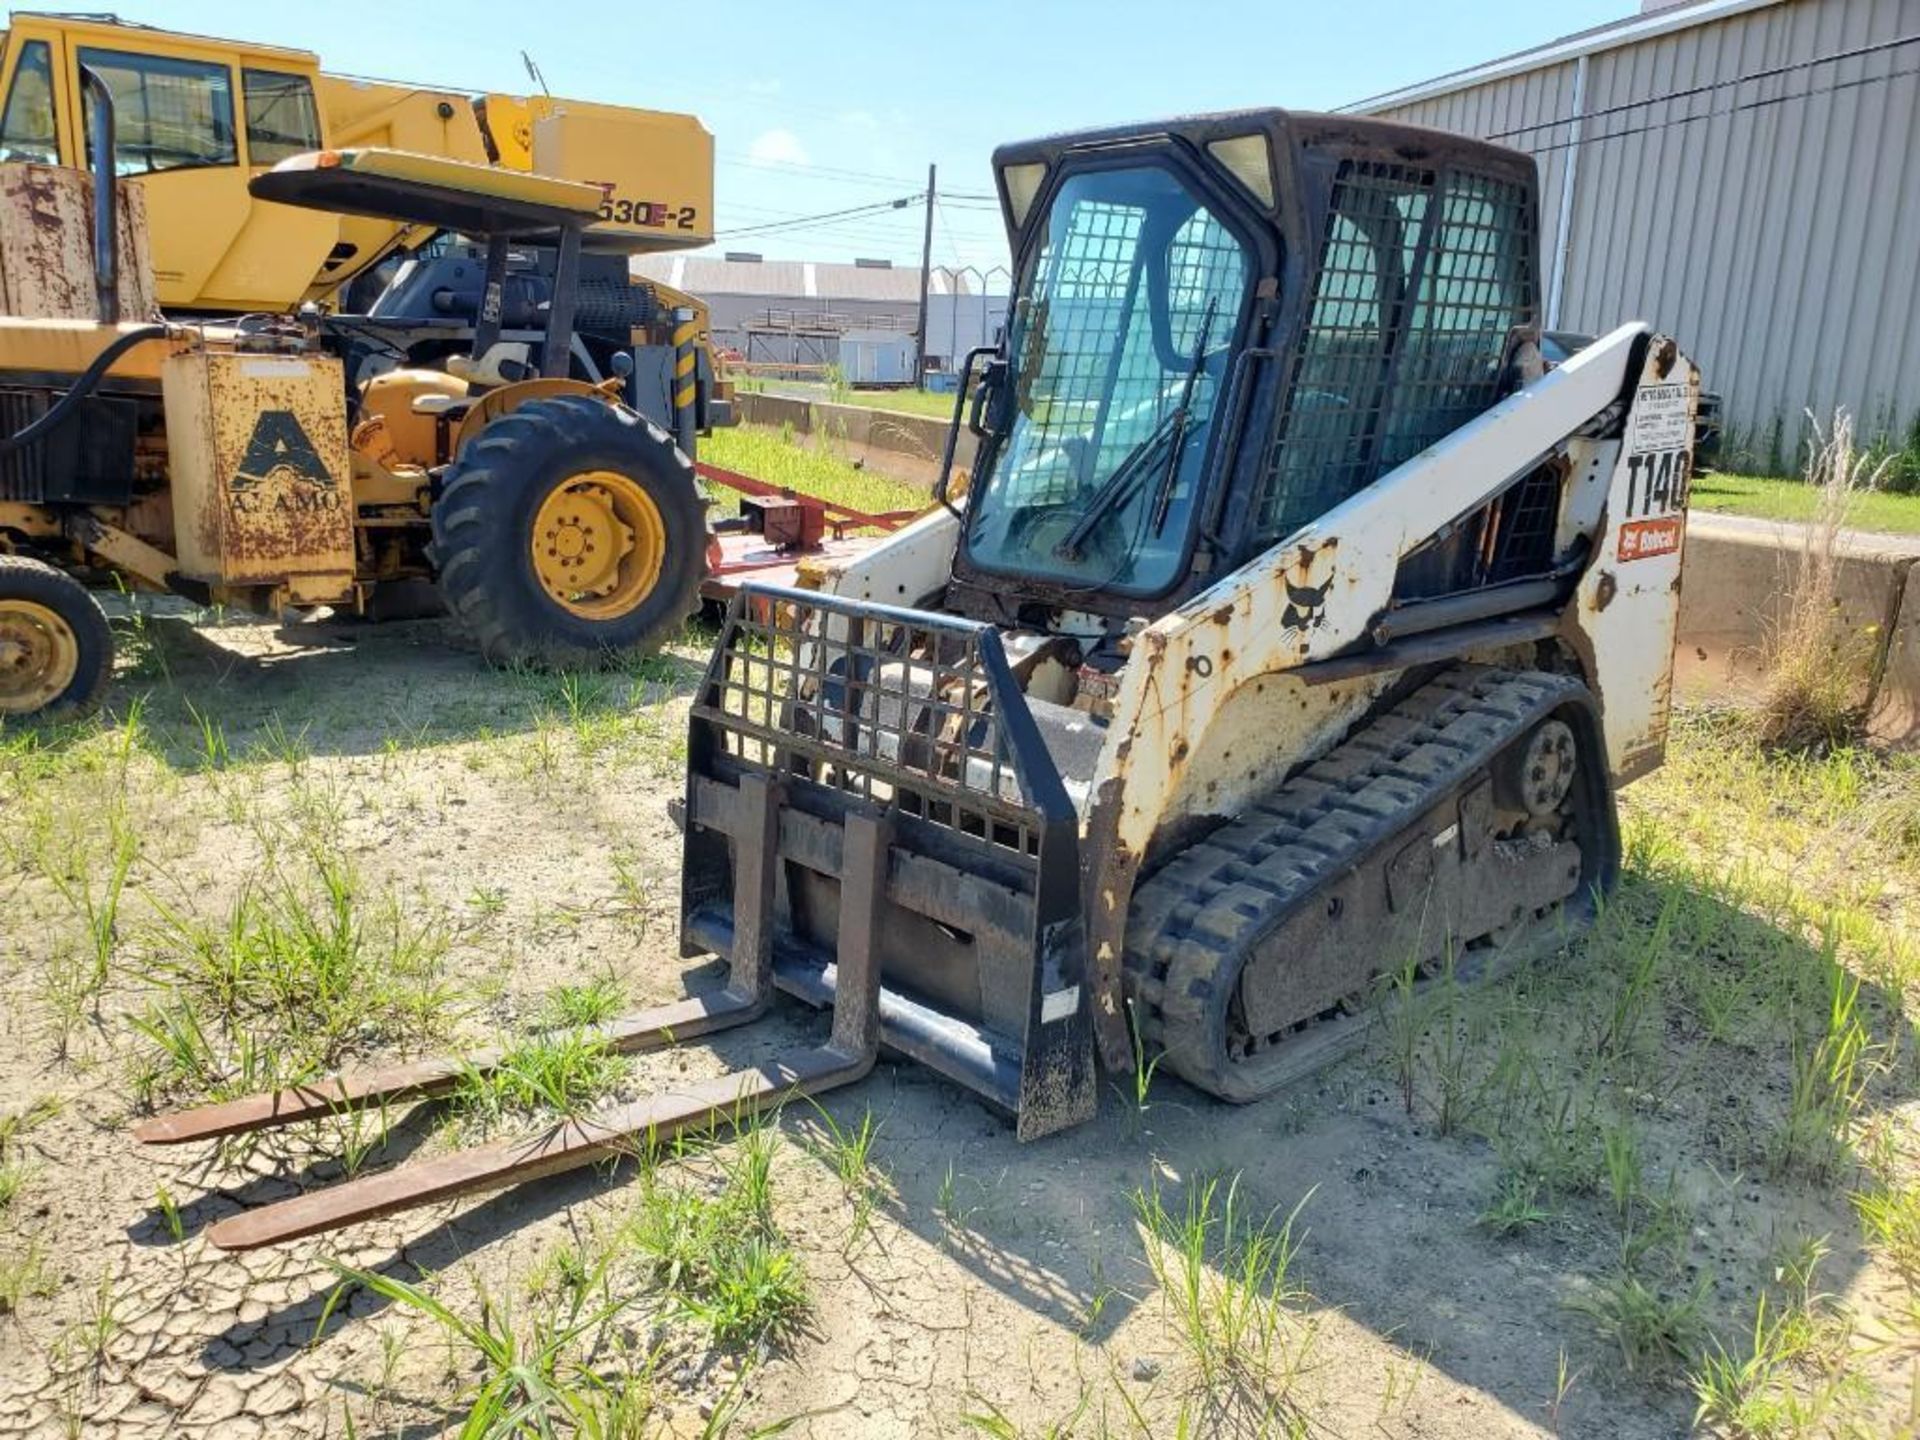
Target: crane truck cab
(198,117)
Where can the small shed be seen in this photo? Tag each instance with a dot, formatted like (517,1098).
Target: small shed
(876,357)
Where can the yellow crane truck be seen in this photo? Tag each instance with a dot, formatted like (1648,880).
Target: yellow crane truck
(481,426)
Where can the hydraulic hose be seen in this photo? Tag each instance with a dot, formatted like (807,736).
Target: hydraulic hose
(82,387)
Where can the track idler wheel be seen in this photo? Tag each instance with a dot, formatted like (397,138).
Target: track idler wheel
(1537,776)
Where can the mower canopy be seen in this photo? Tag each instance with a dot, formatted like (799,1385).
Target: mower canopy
(426,190)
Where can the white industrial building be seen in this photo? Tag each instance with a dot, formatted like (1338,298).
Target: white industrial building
(1742,173)
(795,312)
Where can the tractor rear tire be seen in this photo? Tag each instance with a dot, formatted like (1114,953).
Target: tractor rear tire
(568,532)
(56,651)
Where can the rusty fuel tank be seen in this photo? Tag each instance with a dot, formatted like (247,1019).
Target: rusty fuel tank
(262,491)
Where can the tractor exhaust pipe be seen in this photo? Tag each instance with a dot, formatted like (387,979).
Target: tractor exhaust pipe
(106,248)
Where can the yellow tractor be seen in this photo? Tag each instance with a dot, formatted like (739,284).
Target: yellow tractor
(235,463)
(480,428)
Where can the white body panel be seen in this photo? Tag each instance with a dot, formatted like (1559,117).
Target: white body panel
(1315,594)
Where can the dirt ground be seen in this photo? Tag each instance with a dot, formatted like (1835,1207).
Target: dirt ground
(1526,1211)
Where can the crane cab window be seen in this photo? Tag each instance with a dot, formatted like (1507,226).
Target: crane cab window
(168,114)
(26,126)
(282,118)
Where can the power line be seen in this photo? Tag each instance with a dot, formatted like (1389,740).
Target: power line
(1759,104)
(836,172)
(1716,85)
(801,222)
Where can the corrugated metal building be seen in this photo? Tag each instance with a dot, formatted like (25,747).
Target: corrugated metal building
(1742,173)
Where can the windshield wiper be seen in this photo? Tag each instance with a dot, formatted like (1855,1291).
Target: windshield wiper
(1117,490)
(1163,492)
(1119,486)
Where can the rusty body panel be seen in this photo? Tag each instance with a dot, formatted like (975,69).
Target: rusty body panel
(27,519)
(64,347)
(261,483)
(99,535)
(46,256)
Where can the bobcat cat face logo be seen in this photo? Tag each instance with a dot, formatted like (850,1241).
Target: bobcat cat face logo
(1306,606)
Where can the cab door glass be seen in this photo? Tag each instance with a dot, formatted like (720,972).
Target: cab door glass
(26,126)
(168,114)
(282,118)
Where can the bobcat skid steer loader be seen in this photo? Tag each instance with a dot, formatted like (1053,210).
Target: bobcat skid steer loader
(1298,624)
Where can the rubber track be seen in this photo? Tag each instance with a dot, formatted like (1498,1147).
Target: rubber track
(1199,913)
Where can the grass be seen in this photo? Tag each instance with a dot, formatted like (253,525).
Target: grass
(1817,662)
(1224,1273)
(23,1274)
(1516,1206)
(532,1379)
(698,1249)
(1653,1329)
(578,1006)
(810,467)
(847,1151)
(15,1126)
(1738,1018)
(296,976)
(1772,498)
(901,402)
(710,1242)
(1787,1375)
(559,1073)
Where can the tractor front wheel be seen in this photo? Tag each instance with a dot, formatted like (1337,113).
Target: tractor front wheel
(570,531)
(56,651)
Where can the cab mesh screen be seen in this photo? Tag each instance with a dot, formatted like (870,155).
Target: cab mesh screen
(1423,275)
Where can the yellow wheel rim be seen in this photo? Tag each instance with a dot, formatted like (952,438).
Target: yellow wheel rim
(599,544)
(39,656)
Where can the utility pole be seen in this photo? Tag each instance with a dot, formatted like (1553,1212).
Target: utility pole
(926,275)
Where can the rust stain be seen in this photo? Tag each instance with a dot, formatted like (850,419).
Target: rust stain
(1605,590)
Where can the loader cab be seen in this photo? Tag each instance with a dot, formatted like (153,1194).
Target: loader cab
(1222,328)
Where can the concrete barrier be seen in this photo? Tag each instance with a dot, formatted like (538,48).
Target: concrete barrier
(1900,686)
(1735,582)
(905,446)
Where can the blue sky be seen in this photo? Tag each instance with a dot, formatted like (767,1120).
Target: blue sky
(826,106)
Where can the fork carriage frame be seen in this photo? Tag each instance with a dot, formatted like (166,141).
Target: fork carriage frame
(846,709)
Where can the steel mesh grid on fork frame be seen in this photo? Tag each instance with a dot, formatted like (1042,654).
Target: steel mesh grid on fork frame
(895,707)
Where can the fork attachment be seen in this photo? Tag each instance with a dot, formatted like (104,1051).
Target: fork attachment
(617,1131)
(748,992)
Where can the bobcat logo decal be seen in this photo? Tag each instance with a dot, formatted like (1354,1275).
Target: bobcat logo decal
(1306,606)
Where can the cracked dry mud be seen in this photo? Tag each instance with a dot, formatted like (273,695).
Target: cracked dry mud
(994,1277)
